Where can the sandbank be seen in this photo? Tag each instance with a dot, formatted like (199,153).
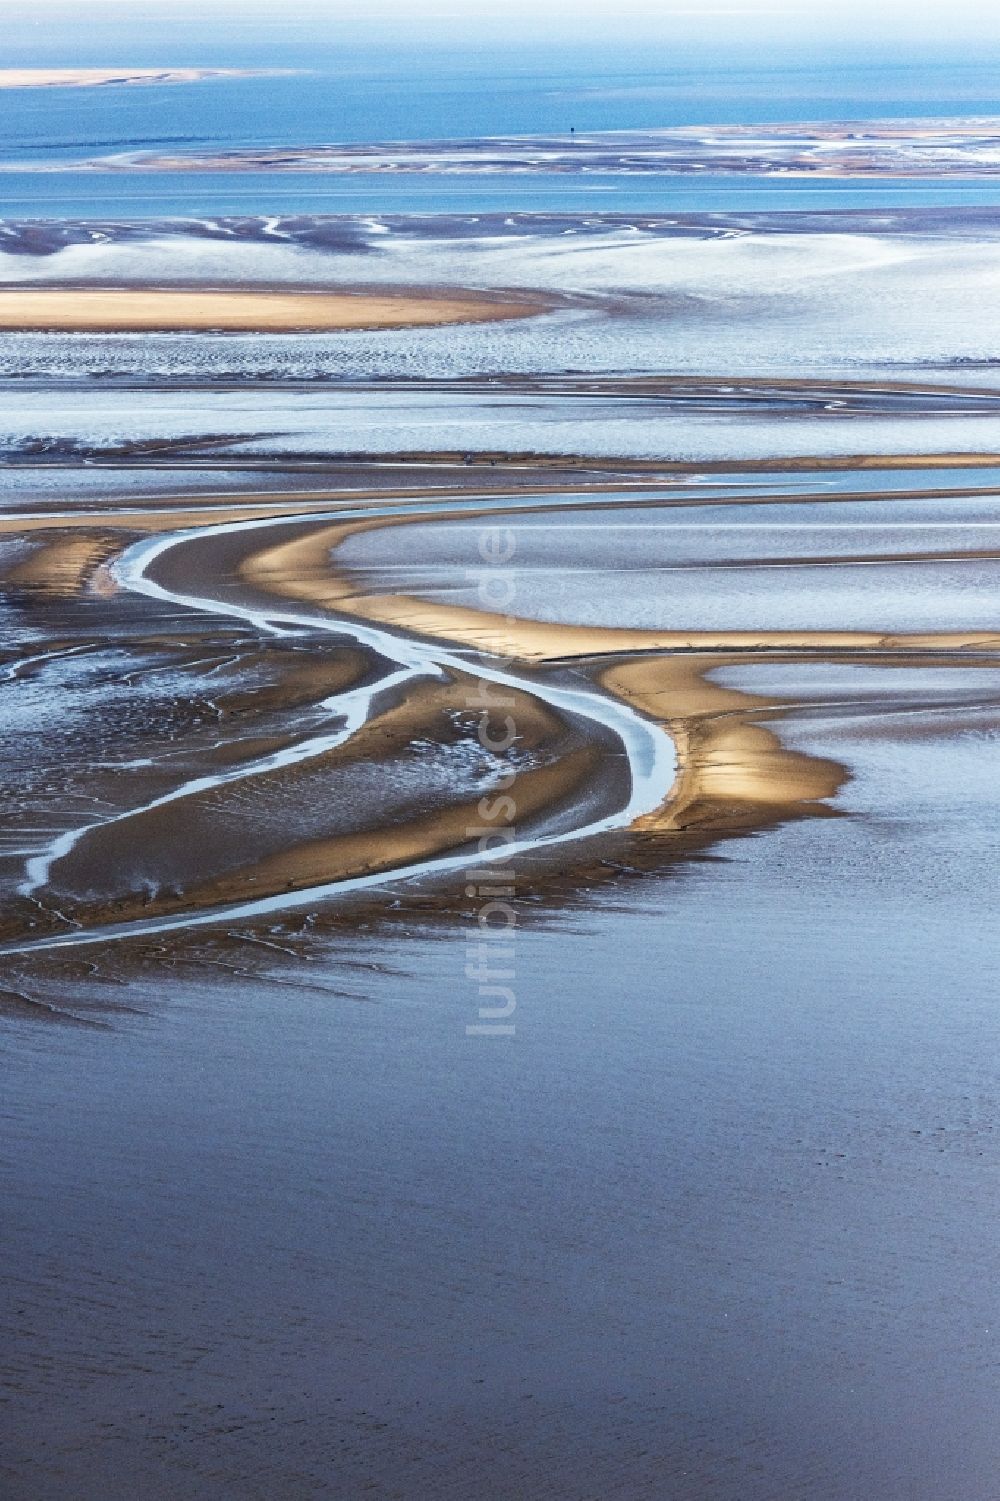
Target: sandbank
(82,78)
(155,310)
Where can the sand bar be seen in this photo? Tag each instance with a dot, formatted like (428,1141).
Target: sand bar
(83,78)
(845,149)
(157,311)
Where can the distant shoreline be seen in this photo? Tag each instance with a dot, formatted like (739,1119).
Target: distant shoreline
(85,78)
(968,146)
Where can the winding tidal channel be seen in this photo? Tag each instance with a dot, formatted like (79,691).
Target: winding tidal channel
(356,658)
(648,749)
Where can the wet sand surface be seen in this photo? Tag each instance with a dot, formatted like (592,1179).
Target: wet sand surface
(716,1220)
(946,147)
(714,1228)
(902,297)
(166,850)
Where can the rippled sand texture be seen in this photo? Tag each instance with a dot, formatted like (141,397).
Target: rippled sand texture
(906,296)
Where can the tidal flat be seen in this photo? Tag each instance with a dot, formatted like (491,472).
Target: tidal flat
(498,862)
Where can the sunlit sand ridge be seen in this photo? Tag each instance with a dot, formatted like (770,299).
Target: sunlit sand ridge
(230,311)
(395,674)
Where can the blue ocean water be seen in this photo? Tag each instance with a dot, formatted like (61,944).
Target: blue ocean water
(426,97)
(366,94)
(140,195)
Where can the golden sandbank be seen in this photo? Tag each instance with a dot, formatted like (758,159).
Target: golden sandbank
(155,310)
(733,773)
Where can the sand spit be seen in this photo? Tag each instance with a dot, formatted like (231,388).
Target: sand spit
(154,310)
(733,772)
(61,565)
(86,78)
(301,569)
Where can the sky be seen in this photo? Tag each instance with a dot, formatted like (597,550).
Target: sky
(809,27)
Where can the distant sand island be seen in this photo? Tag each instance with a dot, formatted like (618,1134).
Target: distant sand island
(85,78)
(62,310)
(968,146)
